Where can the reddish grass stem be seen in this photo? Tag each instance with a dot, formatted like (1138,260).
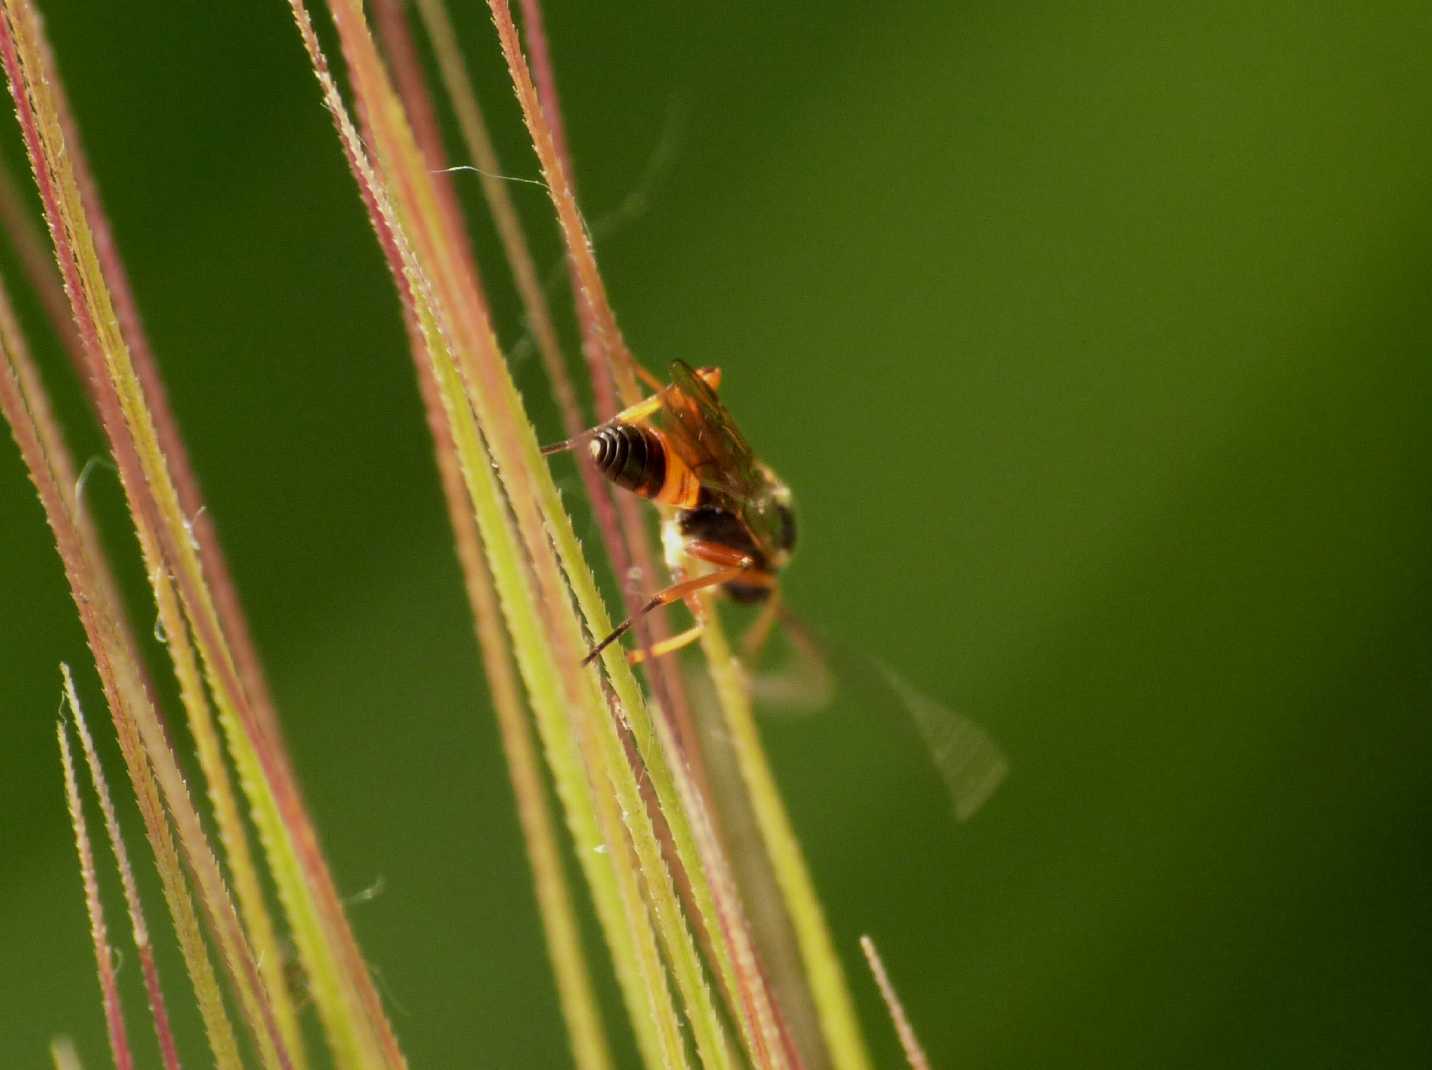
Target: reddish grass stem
(157,1008)
(608,354)
(34,83)
(628,546)
(103,953)
(914,1053)
(558,913)
(459,325)
(555,171)
(27,411)
(40,270)
(624,537)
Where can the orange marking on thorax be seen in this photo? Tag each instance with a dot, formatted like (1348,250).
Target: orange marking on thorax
(681,488)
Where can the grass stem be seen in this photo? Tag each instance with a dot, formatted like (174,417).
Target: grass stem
(914,1053)
(157,1008)
(99,936)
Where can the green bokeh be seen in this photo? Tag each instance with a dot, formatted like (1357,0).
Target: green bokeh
(1095,346)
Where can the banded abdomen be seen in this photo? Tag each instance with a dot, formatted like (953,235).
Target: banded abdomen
(639,459)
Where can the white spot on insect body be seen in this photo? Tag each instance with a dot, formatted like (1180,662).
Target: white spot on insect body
(673,544)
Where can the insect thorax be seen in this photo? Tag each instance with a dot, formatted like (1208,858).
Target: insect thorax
(712,524)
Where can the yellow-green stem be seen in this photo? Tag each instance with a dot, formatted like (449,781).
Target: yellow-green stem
(838,1019)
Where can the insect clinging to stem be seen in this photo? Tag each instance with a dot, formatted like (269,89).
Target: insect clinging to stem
(732,516)
(730,512)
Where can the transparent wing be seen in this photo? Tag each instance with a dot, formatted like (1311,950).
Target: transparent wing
(970,761)
(704,434)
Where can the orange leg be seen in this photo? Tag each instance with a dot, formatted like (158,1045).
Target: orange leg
(678,591)
(756,636)
(668,645)
(805,683)
(714,553)
(751,643)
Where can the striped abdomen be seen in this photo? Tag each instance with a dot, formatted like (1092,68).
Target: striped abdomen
(637,457)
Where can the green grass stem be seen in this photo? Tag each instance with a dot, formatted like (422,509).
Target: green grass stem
(99,935)
(28,413)
(556,909)
(166,541)
(158,1011)
(623,916)
(829,989)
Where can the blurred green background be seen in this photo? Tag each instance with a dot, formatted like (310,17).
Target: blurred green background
(1095,347)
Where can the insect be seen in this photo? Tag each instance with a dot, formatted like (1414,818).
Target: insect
(730,513)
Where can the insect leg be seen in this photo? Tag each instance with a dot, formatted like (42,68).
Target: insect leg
(668,645)
(714,553)
(756,636)
(677,591)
